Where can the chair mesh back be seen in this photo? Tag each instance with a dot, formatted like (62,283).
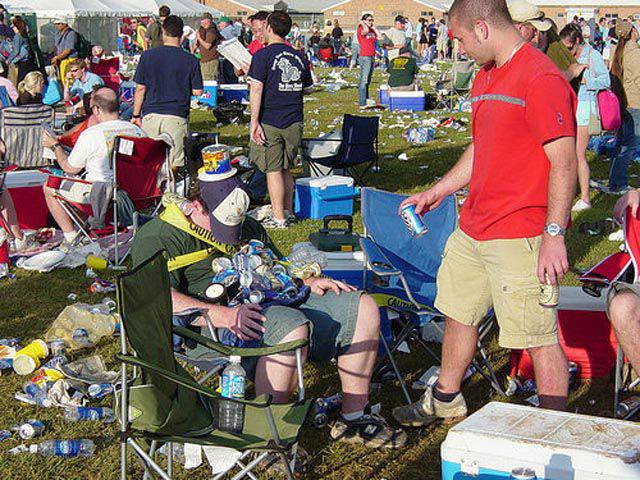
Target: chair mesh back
(462,74)
(359,136)
(137,174)
(108,69)
(21,130)
(386,228)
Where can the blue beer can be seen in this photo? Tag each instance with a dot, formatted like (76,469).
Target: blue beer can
(412,220)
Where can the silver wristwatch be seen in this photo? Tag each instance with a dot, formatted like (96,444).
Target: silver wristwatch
(554,229)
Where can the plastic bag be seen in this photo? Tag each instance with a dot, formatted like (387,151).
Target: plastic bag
(95,319)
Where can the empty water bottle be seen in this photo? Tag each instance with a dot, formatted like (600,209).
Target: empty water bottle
(75,414)
(37,393)
(99,390)
(64,448)
(29,429)
(231,414)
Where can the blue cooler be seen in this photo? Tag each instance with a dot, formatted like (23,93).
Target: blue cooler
(413,101)
(321,196)
(383,95)
(209,94)
(501,437)
(234,91)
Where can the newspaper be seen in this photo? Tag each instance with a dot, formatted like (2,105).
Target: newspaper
(233,51)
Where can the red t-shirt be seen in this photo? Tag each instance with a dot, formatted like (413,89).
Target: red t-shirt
(255,46)
(367,43)
(517,109)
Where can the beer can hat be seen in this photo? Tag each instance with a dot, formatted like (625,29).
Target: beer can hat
(227,202)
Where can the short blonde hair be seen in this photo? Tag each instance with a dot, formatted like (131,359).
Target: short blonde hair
(77,63)
(33,83)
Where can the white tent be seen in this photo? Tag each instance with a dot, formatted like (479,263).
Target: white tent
(98,20)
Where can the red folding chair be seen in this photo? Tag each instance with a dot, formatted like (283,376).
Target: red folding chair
(109,70)
(141,168)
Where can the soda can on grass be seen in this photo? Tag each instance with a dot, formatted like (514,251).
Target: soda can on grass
(412,220)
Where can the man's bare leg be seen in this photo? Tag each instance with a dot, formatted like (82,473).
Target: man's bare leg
(458,349)
(624,313)
(552,376)
(289,185)
(58,213)
(276,185)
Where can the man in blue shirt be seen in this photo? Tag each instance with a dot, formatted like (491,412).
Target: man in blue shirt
(65,50)
(80,82)
(279,74)
(166,78)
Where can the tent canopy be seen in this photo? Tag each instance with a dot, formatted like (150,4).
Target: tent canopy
(114,8)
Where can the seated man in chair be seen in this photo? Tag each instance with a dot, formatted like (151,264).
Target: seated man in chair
(623,299)
(91,154)
(340,322)
(402,71)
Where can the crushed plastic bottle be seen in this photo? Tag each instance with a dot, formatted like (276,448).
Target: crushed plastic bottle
(75,414)
(64,448)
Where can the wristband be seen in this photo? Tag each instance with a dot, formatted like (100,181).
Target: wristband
(136,116)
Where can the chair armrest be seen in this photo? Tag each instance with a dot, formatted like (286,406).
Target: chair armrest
(227,351)
(378,262)
(187,382)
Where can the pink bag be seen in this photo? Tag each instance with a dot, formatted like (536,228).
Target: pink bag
(609,108)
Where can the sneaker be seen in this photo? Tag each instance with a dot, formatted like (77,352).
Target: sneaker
(370,430)
(275,224)
(428,410)
(581,206)
(617,236)
(290,217)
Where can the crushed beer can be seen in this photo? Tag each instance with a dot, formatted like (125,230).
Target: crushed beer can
(325,406)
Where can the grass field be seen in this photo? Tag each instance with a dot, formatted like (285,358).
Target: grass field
(30,302)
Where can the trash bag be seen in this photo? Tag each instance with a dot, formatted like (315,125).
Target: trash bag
(97,320)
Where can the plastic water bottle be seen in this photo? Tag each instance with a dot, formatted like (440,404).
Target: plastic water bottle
(231,415)
(64,448)
(75,414)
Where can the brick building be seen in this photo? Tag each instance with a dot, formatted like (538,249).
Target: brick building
(349,12)
(563,11)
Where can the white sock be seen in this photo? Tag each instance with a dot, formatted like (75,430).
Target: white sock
(350,417)
(70,236)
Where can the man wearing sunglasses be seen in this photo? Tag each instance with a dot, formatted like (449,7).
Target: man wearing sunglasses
(80,82)
(90,154)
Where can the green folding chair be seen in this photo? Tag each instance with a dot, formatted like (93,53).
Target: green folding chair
(158,402)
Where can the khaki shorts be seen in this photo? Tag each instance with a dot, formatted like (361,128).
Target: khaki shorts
(177,128)
(620,287)
(209,70)
(476,275)
(280,149)
(78,192)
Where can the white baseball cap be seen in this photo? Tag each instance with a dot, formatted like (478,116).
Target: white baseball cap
(524,12)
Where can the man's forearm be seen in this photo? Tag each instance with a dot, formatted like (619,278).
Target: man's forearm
(216,313)
(459,175)
(562,179)
(255,99)
(138,99)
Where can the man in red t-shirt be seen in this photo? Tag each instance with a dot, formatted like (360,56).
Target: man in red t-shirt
(521,170)
(367,36)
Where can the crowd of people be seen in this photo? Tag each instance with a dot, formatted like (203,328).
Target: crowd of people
(533,99)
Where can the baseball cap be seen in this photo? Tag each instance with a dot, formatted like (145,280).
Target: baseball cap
(401,19)
(524,12)
(225,19)
(623,28)
(227,202)
(403,50)
(206,16)
(60,20)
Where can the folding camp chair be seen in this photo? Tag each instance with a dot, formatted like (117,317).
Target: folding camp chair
(618,267)
(141,168)
(456,85)
(404,273)
(21,131)
(109,70)
(162,404)
(358,145)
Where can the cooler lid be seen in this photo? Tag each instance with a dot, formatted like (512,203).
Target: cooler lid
(574,298)
(25,178)
(210,83)
(401,94)
(499,426)
(326,181)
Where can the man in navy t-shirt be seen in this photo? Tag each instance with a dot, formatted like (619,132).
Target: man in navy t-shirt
(166,78)
(279,75)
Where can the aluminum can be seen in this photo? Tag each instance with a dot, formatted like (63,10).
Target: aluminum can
(323,407)
(549,294)
(627,406)
(412,220)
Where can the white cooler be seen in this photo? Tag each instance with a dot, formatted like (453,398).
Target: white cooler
(556,445)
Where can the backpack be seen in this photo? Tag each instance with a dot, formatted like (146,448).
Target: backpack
(82,46)
(609,108)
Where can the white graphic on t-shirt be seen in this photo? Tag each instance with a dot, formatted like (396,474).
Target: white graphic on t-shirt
(290,74)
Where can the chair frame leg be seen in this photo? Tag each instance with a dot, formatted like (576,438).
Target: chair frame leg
(396,370)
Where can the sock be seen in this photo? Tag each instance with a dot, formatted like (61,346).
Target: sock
(350,417)
(70,236)
(443,397)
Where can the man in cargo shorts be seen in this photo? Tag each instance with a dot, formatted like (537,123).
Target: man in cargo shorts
(623,299)
(521,171)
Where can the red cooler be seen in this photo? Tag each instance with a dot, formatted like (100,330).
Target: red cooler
(586,336)
(25,187)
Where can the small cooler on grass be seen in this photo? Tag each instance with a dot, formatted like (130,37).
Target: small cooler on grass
(209,94)
(25,187)
(321,196)
(383,95)
(345,266)
(234,91)
(413,101)
(556,445)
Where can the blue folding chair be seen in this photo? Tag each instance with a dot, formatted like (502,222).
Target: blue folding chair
(358,146)
(403,272)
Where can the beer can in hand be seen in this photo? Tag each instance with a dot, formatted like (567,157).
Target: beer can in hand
(549,294)
(413,222)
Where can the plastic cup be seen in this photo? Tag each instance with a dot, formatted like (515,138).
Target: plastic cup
(28,359)
(96,263)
